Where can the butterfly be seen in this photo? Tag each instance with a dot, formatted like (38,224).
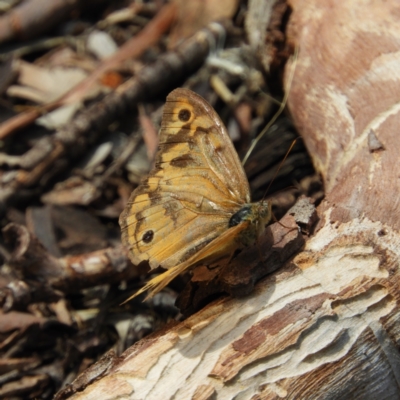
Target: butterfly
(194,207)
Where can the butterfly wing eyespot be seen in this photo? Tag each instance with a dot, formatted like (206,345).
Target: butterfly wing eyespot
(184,115)
(148,236)
(183,212)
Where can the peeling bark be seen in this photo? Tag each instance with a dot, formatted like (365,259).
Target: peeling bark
(325,329)
(327,324)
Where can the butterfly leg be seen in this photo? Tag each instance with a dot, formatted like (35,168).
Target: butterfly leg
(280,223)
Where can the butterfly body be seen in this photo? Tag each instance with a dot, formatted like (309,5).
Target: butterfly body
(194,207)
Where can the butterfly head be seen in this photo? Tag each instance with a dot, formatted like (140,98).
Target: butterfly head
(264,211)
(256,215)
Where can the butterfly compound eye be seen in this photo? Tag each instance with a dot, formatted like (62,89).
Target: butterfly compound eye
(184,115)
(148,236)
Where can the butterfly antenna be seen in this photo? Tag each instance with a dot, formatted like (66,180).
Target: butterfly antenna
(280,166)
(273,178)
(278,113)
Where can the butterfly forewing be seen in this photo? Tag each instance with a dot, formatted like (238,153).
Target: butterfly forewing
(194,138)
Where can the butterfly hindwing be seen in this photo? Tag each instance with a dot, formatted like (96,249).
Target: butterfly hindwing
(222,245)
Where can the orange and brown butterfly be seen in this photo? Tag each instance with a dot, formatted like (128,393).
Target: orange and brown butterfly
(194,207)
